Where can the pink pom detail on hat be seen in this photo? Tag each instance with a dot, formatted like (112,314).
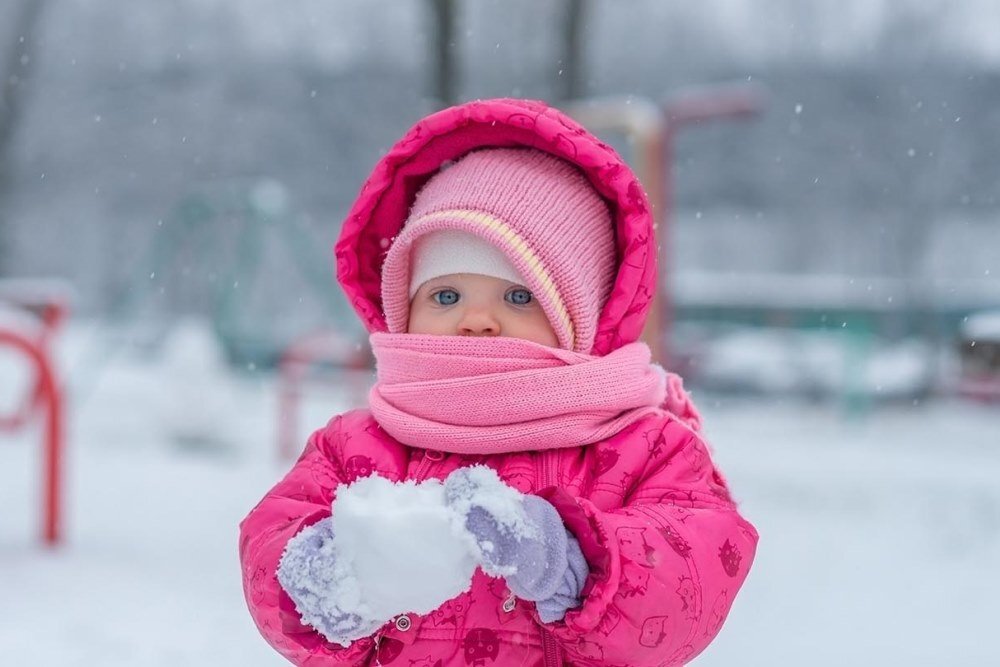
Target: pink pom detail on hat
(540,212)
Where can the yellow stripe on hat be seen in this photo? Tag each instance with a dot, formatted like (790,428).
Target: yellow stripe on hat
(521,247)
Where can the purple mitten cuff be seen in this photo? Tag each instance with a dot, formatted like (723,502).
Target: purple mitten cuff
(567,596)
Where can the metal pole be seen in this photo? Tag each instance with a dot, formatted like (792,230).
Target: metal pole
(46,393)
(52,532)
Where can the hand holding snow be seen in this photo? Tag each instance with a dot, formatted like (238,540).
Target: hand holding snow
(394,548)
(390,548)
(493,513)
(521,538)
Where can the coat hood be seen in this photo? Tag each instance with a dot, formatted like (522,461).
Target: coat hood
(385,199)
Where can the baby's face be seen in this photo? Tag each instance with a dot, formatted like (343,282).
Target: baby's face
(469,304)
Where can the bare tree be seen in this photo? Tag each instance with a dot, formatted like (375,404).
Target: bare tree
(443,85)
(570,78)
(15,65)
(568,81)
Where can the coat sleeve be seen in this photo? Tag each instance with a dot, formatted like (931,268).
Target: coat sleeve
(665,566)
(301,499)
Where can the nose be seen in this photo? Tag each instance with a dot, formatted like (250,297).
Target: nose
(478,322)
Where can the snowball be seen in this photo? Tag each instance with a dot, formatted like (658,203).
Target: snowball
(394,548)
(408,549)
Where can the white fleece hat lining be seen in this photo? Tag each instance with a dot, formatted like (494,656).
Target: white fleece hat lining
(447,251)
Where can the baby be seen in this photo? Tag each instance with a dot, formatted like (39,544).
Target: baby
(504,261)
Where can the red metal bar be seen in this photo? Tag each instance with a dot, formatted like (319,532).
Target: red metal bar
(47,302)
(47,395)
(52,503)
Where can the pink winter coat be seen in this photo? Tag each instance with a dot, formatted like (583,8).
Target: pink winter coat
(666,546)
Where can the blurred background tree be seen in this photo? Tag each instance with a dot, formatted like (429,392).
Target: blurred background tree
(567,81)
(18,39)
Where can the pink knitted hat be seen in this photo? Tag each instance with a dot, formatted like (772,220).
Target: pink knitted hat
(543,214)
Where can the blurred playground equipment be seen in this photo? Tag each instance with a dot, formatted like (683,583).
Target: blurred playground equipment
(225,231)
(31,313)
(202,224)
(835,336)
(650,129)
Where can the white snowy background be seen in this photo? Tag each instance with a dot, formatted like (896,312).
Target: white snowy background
(869,183)
(880,531)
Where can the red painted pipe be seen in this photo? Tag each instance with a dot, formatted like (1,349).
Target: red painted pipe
(46,394)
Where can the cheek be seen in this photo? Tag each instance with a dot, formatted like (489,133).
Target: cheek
(426,321)
(535,328)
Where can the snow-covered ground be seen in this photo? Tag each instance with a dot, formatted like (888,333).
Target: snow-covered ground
(880,532)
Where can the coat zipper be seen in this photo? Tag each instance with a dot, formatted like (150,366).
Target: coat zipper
(546,465)
(422,469)
(550,649)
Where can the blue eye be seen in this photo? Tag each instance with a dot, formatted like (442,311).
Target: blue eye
(445,297)
(519,296)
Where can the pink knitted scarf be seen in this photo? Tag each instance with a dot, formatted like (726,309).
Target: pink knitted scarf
(492,395)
